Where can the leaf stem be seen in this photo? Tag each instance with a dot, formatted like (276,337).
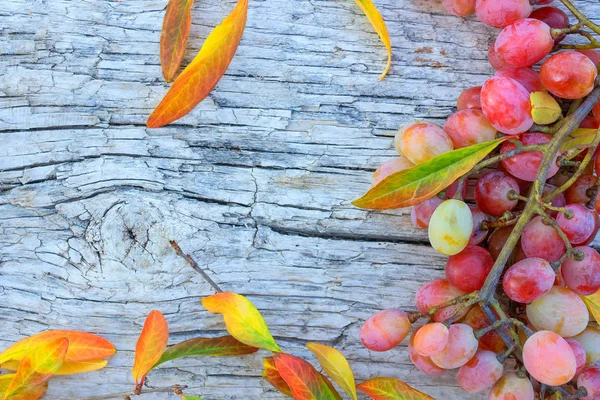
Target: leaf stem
(194,264)
(123,395)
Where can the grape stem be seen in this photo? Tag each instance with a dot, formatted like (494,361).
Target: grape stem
(581,17)
(194,265)
(122,395)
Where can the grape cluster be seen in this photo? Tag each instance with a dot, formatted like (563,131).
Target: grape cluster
(551,266)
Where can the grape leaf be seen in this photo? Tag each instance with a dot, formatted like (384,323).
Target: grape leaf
(213,347)
(381,388)
(593,304)
(336,366)
(421,182)
(305,382)
(204,72)
(150,345)
(242,320)
(273,376)
(379,25)
(175,32)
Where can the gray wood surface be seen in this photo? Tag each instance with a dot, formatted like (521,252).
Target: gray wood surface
(255,182)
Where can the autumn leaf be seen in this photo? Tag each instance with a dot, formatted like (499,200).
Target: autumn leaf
(272,376)
(203,73)
(175,32)
(421,182)
(305,382)
(83,346)
(214,347)
(379,24)
(150,345)
(336,366)
(37,367)
(381,388)
(67,367)
(593,304)
(184,397)
(28,393)
(242,319)
(579,137)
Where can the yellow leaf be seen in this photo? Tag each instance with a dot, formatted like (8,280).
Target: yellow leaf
(151,344)
(27,393)
(379,25)
(593,304)
(336,366)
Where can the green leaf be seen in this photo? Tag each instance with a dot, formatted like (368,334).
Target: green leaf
(421,182)
(212,347)
(381,388)
(184,397)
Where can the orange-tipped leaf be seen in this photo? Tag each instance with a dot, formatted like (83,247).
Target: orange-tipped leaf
(27,393)
(379,25)
(381,388)
(272,375)
(305,382)
(150,345)
(175,32)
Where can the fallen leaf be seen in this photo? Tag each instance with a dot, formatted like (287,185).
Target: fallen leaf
(379,25)
(205,71)
(28,393)
(67,367)
(175,32)
(593,304)
(150,345)
(272,376)
(336,366)
(421,182)
(214,347)
(242,320)
(381,388)
(579,137)
(305,382)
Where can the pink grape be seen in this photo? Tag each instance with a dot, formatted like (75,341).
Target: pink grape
(527,77)
(561,311)
(435,293)
(459,7)
(422,362)
(431,338)
(468,269)
(492,193)
(549,358)
(593,55)
(495,61)
(590,380)
(469,127)
(590,341)
(541,240)
(558,200)
(580,227)
(385,330)
(479,234)
(582,277)
(554,17)
(569,75)
(451,190)
(491,341)
(461,346)
(579,353)
(420,215)
(511,387)
(423,141)
(525,165)
(502,13)
(470,99)
(390,167)
(505,103)
(528,280)
(480,373)
(524,42)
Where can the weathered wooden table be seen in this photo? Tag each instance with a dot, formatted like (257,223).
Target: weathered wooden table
(256,182)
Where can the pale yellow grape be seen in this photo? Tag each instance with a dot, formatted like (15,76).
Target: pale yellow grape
(561,311)
(450,227)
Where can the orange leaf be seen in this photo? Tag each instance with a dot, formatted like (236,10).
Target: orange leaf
(381,388)
(67,368)
(28,393)
(379,25)
(305,382)
(242,320)
(83,346)
(38,366)
(150,345)
(272,376)
(203,73)
(336,366)
(175,32)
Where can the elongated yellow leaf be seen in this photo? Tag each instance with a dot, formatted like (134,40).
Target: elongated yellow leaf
(379,25)
(67,367)
(381,388)
(175,32)
(336,366)
(26,393)
(593,304)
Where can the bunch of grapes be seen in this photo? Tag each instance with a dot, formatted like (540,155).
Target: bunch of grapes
(517,232)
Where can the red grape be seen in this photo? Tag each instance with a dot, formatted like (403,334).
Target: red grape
(420,214)
(557,201)
(511,387)
(569,75)
(422,362)
(505,103)
(590,341)
(528,280)
(579,353)
(582,277)
(497,240)
(577,193)
(491,341)
(552,16)
(501,13)
(470,99)
(459,7)
(590,380)
(525,165)
(468,269)
(431,338)
(581,226)
(390,167)
(451,190)
(479,234)
(435,293)
(492,191)
(596,112)
(549,358)
(593,55)
(422,141)
(385,330)
(469,127)
(480,372)
(524,42)
(590,122)
(461,346)
(560,311)
(495,61)
(541,240)
(527,77)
